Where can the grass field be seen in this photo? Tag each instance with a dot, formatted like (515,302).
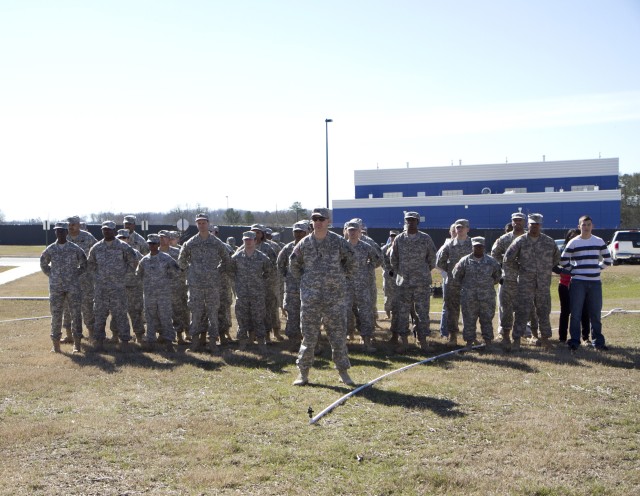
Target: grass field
(533,423)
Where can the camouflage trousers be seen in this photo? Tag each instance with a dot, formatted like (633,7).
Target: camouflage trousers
(292,307)
(250,313)
(157,311)
(418,298)
(334,318)
(373,288)
(389,288)
(507,292)
(450,307)
(477,307)
(359,311)
(204,303)
(135,308)
(61,301)
(111,300)
(180,309)
(532,298)
(86,291)
(272,318)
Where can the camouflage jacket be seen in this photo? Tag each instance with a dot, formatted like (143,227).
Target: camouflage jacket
(533,260)
(413,257)
(63,264)
(204,259)
(157,273)
(110,263)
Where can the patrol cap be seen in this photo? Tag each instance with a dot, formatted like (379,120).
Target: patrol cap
(276,236)
(61,225)
(164,233)
(130,218)
(202,216)
(268,230)
(518,215)
(320,212)
(215,229)
(352,225)
(300,226)
(258,227)
(231,240)
(123,233)
(108,224)
(74,219)
(478,240)
(535,218)
(462,222)
(153,239)
(174,234)
(393,232)
(360,222)
(248,235)
(412,215)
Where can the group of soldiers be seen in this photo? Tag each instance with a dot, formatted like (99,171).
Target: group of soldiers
(320,280)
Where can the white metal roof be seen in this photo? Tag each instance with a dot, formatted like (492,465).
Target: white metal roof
(466,173)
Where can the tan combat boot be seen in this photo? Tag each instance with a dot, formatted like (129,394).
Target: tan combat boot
(368,346)
(506,339)
(403,346)
(277,335)
(56,346)
(453,338)
(516,344)
(68,337)
(180,338)
(303,378)
(196,344)
(423,343)
(77,344)
(394,338)
(345,379)
(545,343)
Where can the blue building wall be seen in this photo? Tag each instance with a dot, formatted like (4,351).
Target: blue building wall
(605,214)
(475,187)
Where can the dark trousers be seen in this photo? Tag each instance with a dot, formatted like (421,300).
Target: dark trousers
(565,312)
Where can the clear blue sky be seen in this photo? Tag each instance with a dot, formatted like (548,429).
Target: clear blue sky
(148,105)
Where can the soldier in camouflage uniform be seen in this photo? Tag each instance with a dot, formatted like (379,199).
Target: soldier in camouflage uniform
(231,241)
(533,255)
(358,286)
(322,261)
(110,260)
(157,270)
(388,279)
(64,262)
(477,274)
(446,259)
(444,317)
(413,257)
(373,283)
(509,283)
(252,273)
(291,301)
(206,260)
(135,297)
(272,320)
(178,289)
(136,241)
(85,240)
(226,297)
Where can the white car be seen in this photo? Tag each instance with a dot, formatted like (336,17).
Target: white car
(625,247)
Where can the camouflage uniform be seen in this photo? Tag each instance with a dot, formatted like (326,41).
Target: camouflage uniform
(291,301)
(64,264)
(413,257)
(271,298)
(179,295)
(360,306)
(226,298)
(446,259)
(138,242)
(206,261)
(322,267)
(135,300)
(533,261)
(476,278)
(388,279)
(373,283)
(252,276)
(157,273)
(84,240)
(110,262)
(509,286)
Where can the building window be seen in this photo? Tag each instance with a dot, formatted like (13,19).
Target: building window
(515,190)
(392,194)
(549,189)
(584,187)
(420,193)
(452,192)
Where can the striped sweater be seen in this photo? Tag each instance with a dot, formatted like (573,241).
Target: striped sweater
(586,258)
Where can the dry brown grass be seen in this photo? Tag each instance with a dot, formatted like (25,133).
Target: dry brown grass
(533,423)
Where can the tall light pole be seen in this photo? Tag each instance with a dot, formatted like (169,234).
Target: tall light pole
(326,132)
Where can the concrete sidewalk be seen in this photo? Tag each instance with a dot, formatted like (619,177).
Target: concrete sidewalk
(23,267)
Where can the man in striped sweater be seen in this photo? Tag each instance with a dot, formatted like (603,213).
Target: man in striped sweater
(585,256)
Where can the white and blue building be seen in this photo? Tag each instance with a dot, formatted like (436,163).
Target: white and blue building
(487,194)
